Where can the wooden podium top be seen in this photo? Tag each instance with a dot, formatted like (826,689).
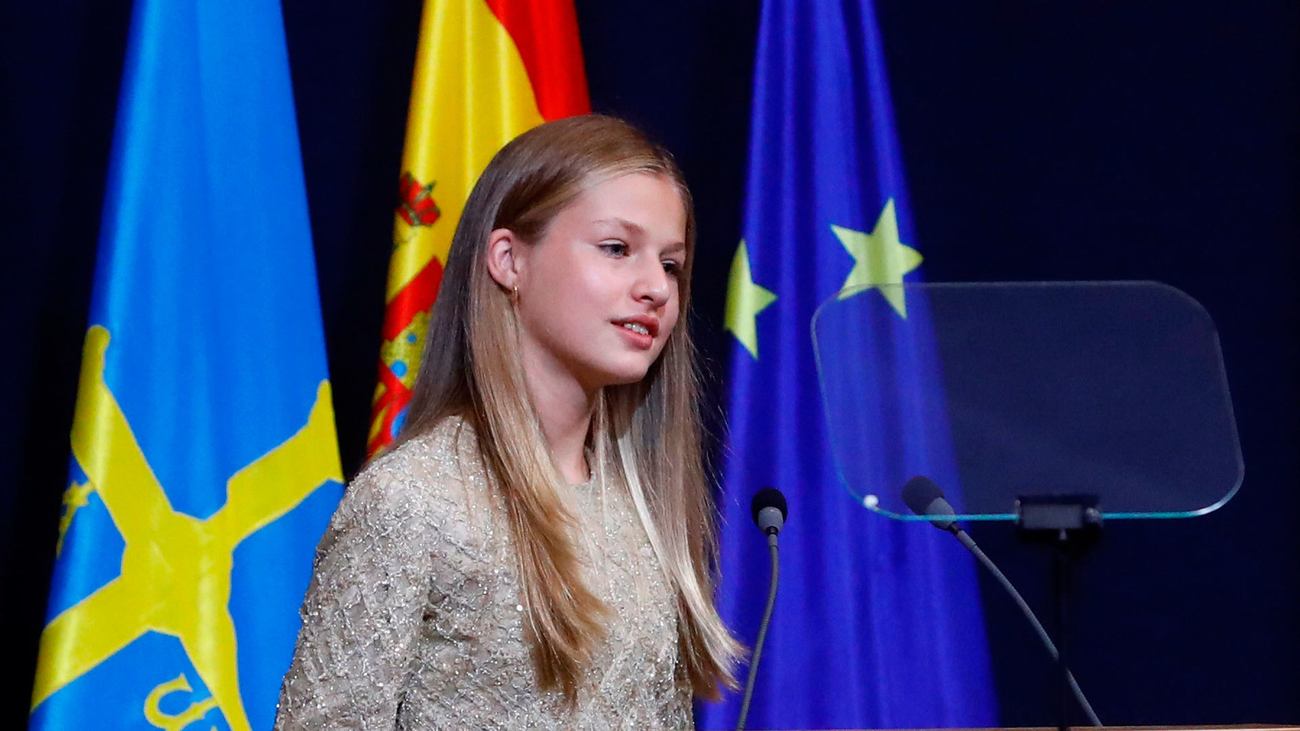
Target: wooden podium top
(1238,727)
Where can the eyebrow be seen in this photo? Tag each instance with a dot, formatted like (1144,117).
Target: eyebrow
(622,223)
(639,230)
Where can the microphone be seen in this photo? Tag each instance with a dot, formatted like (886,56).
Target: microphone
(769,510)
(924,498)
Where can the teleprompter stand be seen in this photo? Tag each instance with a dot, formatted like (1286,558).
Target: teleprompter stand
(1071,526)
(1053,405)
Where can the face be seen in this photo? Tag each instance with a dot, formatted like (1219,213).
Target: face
(599,293)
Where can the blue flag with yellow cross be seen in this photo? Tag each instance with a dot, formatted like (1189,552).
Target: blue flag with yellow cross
(204,459)
(877,623)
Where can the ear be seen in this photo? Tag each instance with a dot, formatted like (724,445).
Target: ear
(503,257)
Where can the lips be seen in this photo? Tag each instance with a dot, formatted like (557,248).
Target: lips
(649,324)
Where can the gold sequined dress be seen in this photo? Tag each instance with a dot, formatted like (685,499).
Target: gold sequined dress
(413,617)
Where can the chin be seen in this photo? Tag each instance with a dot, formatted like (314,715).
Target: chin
(624,379)
(622,376)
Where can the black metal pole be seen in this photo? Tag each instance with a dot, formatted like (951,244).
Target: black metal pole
(1071,525)
(1062,627)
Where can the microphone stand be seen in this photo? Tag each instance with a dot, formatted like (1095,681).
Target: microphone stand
(775,553)
(970,545)
(1072,521)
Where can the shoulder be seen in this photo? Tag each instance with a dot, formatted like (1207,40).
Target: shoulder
(436,479)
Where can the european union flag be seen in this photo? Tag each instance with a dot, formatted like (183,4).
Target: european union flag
(877,623)
(204,458)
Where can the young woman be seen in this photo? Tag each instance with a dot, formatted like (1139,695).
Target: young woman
(536,551)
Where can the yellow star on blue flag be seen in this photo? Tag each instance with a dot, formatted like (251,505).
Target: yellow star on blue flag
(879,258)
(745,300)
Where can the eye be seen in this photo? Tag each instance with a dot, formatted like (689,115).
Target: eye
(614,248)
(672,267)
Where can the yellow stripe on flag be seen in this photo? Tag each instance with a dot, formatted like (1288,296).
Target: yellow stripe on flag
(470,96)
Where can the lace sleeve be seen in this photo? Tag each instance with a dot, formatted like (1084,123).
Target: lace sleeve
(369,590)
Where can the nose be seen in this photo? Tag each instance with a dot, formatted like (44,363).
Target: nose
(653,285)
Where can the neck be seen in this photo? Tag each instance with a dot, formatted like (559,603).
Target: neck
(564,408)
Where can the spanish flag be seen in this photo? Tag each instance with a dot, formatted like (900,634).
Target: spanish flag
(485,72)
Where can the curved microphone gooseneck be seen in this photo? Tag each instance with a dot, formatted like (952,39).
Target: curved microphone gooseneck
(924,498)
(769,510)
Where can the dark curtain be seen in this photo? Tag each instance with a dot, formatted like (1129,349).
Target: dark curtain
(1043,141)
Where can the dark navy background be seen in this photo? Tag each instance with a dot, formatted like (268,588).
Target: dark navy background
(1079,139)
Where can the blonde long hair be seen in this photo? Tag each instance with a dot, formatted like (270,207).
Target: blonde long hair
(645,436)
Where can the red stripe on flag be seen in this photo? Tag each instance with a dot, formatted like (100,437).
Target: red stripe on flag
(416,296)
(546,34)
(390,401)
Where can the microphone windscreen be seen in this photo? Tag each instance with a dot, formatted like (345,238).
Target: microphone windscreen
(768,497)
(919,493)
